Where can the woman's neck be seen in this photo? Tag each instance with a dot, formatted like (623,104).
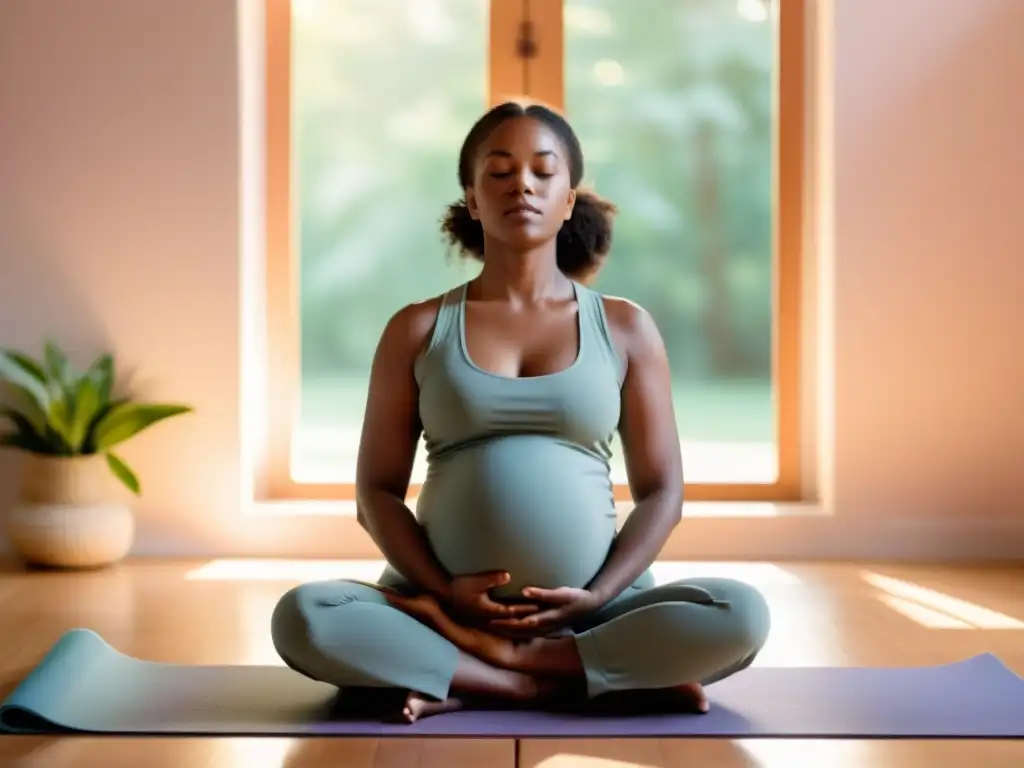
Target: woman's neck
(519,276)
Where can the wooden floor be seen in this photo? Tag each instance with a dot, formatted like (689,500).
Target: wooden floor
(217,612)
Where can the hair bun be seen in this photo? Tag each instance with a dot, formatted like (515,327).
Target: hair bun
(462,231)
(586,237)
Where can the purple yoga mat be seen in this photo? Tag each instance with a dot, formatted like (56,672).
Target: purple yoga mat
(83,684)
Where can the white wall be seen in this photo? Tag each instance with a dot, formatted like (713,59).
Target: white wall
(121,228)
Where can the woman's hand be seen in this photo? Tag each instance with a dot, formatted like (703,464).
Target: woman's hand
(499,651)
(470,598)
(564,605)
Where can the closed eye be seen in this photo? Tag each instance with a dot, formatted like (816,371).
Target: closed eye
(509,173)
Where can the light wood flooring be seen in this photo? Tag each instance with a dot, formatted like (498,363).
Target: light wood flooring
(217,612)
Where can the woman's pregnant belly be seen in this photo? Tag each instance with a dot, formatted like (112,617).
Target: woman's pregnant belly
(539,509)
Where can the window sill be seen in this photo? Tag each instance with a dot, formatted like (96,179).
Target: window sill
(693,509)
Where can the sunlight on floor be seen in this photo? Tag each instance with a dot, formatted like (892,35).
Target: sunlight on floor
(569,760)
(253,753)
(746,753)
(298,571)
(936,610)
(733,509)
(923,615)
(789,753)
(758,575)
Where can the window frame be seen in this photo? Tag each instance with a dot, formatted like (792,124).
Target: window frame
(541,77)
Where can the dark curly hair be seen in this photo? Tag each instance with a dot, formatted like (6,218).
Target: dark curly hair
(584,239)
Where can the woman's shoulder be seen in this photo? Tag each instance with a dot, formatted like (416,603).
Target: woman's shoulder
(411,326)
(419,316)
(632,327)
(625,315)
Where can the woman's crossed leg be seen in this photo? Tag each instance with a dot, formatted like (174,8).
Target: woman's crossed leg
(675,636)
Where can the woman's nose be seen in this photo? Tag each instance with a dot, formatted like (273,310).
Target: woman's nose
(522,183)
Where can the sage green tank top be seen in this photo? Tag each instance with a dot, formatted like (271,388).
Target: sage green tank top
(517,468)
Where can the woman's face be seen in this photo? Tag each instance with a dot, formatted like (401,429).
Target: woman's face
(521,193)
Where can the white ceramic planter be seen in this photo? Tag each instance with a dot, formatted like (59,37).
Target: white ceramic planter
(69,516)
(70,536)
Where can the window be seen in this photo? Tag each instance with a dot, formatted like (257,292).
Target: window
(690,116)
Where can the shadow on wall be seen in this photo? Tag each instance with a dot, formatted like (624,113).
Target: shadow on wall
(37,294)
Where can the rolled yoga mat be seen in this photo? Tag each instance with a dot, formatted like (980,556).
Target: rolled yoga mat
(84,685)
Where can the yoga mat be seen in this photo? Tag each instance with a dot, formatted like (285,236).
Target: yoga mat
(84,685)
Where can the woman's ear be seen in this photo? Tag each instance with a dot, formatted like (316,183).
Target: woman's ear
(471,206)
(571,203)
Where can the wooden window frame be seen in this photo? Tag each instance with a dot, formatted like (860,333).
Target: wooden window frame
(541,78)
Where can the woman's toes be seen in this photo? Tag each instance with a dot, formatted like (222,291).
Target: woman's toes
(418,706)
(694,693)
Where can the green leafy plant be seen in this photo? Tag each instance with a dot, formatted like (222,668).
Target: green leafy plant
(60,412)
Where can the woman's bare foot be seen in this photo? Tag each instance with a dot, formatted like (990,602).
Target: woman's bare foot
(695,695)
(418,706)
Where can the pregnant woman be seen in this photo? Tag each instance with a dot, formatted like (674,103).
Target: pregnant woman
(511,580)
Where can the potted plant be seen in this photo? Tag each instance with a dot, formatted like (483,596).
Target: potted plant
(68,423)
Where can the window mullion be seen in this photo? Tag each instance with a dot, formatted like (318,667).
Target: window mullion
(544,62)
(506,77)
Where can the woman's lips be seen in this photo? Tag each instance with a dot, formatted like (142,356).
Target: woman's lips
(522,210)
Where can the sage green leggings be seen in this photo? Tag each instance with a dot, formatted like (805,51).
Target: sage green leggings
(346,634)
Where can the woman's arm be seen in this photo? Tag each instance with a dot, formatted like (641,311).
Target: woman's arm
(387,449)
(650,442)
